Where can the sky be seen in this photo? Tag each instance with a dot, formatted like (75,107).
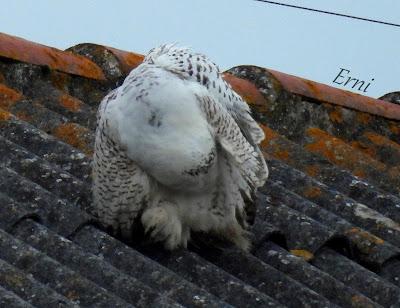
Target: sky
(231,32)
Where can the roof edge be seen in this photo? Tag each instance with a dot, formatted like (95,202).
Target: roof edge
(329,94)
(19,49)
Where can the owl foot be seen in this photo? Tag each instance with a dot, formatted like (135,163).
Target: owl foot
(242,242)
(237,236)
(163,225)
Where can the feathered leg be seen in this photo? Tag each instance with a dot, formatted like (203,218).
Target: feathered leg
(164,225)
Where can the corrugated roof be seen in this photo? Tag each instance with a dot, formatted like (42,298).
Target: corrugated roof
(327,231)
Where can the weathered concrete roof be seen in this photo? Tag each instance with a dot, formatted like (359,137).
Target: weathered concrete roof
(327,231)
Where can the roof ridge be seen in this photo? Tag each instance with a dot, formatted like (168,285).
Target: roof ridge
(78,63)
(337,96)
(314,90)
(19,49)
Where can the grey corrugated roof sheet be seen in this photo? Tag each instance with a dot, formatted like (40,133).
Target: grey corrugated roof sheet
(328,219)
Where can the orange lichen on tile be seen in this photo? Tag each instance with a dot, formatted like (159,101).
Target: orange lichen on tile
(248,91)
(370,143)
(5,115)
(339,152)
(394,128)
(302,253)
(269,134)
(60,80)
(270,145)
(363,118)
(322,144)
(382,141)
(22,50)
(74,135)
(336,115)
(365,235)
(312,170)
(282,154)
(364,147)
(312,192)
(71,103)
(270,137)
(8,96)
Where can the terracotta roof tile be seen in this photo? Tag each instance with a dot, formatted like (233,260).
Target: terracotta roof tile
(114,62)
(22,50)
(325,93)
(127,60)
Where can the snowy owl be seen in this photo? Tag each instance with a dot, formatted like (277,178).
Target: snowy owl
(176,151)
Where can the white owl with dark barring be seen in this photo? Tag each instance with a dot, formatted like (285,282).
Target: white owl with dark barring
(177,150)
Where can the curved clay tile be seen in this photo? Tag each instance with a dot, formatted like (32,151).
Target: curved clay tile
(25,51)
(333,95)
(114,62)
(311,89)
(393,97)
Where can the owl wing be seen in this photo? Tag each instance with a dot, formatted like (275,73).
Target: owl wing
(229,135)
(246,166)
(250,129)
(121,188)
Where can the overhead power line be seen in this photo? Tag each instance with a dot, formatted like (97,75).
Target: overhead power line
(330,13)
